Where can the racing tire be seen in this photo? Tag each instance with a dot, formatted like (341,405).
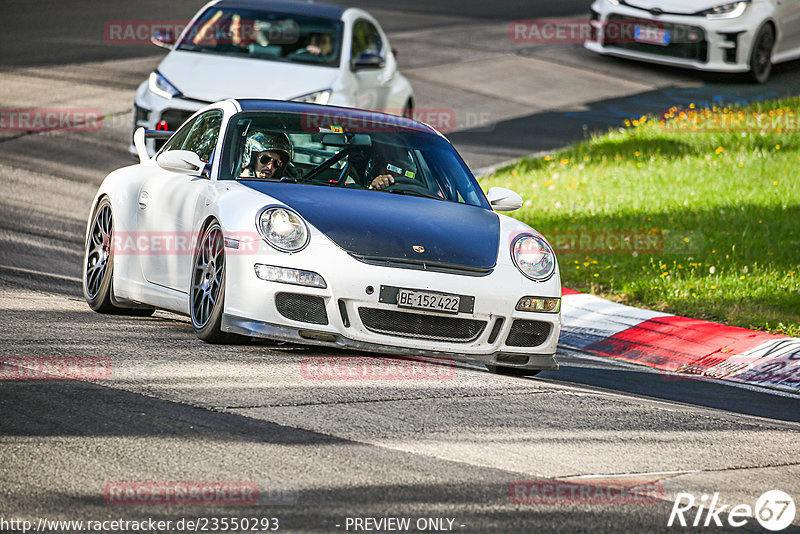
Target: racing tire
(761,54)
(207,290)
(98,265)
(511,371)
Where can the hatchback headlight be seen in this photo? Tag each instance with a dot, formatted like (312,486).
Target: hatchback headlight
(283,229)
(533,257)
(160,86)
(320,97)
(730,10)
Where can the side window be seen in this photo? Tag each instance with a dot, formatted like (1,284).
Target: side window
(365,39)
(177,140)
(202,138)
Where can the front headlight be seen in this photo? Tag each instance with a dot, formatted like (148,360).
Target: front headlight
(533,257)
(160,86)
(320,97)
(731,10)
(283,229)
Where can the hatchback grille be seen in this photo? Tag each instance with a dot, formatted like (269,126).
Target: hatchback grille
(420,325)
(303,308)
(688,42)
(528,333)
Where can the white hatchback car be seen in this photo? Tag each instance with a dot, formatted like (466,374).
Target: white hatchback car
(283,50)
(713,35)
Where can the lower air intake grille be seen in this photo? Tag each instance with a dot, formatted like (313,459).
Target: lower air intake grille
(422,326)
(303,308)
(528,333)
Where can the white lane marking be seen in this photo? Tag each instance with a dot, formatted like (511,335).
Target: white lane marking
(625,475)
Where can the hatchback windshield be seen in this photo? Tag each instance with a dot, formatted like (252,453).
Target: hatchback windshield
(347,152)
(265,35)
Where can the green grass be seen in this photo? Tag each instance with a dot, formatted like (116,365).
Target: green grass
(718,191)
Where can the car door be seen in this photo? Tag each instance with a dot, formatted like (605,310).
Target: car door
(372,84)
(789,19)
(170,203)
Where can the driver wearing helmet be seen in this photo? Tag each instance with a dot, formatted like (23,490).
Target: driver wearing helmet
(400,167)
(266,156)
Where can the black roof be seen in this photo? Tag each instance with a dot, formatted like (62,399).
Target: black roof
(359,116)
(288,6)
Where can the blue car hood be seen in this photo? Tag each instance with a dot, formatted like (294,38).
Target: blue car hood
(387,227)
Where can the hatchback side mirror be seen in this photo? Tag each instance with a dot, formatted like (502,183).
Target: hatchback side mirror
(366,60)
(163,38)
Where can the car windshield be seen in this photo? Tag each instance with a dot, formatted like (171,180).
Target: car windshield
(340,150)
(265,35)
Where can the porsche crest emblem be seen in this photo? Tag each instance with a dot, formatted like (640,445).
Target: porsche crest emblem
(418,249)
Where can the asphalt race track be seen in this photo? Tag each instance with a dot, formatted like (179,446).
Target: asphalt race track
(323,452)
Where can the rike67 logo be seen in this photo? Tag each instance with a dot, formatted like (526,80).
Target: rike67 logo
(774,510)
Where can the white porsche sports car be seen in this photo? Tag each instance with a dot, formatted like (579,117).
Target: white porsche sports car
(324,225)
(713,35)
(274,49)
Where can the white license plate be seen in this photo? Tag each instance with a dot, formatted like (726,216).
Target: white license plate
(651,35)
(422,300)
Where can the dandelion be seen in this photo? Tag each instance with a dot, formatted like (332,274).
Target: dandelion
(719,151)
(712,269)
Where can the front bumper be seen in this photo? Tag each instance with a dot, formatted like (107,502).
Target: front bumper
(310,336)
(719,46)
(497,333)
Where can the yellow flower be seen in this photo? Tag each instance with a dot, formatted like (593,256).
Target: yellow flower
(777,147)
(720,150)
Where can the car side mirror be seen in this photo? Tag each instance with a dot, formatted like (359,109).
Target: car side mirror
(180,161)
(502,199)
(365,60)
(163,38)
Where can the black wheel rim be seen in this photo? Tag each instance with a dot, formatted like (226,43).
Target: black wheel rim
(207,277)
(763,53)
(98,250)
